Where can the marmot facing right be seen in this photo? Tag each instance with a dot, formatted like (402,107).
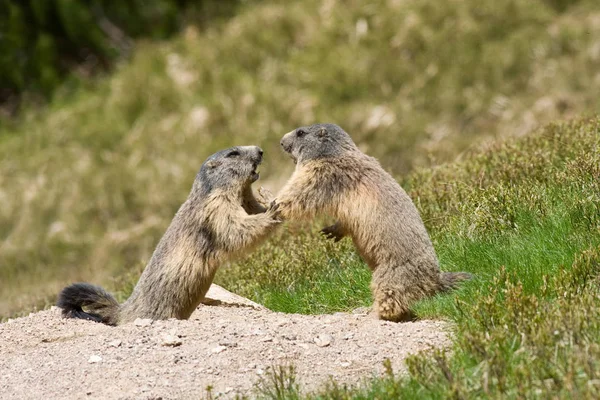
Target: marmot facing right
(220,219)
(333,177)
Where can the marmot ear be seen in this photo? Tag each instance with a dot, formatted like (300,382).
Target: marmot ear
(213,163)
(321,132)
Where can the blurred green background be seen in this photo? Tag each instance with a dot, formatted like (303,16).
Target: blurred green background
(109,108)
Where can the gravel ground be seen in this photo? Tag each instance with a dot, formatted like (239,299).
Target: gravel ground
(228,345)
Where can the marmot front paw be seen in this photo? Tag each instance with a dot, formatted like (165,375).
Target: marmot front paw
(274,212)
(265,197)
(333,232)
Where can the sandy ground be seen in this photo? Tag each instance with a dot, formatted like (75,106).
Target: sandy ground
(228,345)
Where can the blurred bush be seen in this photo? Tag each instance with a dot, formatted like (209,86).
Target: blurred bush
(43,39)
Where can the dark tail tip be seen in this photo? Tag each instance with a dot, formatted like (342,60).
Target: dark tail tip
(102,307)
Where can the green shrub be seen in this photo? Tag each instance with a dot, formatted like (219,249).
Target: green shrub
(44,39)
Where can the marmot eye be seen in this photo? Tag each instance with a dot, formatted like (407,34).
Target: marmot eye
(300,133)
(233,153)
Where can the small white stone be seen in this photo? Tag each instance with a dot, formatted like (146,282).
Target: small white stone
(94,359)
(219,349)
(323,340)
(171,340)
(142,322)
(115,343)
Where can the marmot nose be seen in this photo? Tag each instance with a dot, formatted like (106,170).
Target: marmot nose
(260,152)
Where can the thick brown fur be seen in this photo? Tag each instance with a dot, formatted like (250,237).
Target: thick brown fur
(220,220)
(333,177)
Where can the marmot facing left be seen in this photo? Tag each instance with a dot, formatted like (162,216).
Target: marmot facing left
(220,219)
(333,177)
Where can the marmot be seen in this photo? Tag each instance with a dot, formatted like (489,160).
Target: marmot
(333,177)
(220,219)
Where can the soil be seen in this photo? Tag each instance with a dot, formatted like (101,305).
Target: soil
(229,344)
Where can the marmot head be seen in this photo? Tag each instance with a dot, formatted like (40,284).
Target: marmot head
(316,141)
(232,168)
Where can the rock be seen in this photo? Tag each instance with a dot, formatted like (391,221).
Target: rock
(115,343)
(94,359)
(361,311)
(218,349)
(323,340)
(142,322)
(220,295)
(170,340)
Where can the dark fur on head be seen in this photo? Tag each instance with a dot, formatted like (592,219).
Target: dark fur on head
(232,167)
(316,141)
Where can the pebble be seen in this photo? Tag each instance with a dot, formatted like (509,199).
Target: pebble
(94,359)
(115,343)
(171,340)
(142,322)
(218,349)
(323,340)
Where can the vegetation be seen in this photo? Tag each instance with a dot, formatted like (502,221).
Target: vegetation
(525,218)
(44,39)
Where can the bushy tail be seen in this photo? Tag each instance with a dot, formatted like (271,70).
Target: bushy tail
(100,305)
(451,280)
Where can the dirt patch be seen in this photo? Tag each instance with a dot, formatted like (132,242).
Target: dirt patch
(228,345)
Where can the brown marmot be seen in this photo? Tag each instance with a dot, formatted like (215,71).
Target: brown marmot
(333,177)
(220,219)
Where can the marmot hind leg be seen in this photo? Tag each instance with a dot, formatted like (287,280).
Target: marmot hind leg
(394,292)
(390,305)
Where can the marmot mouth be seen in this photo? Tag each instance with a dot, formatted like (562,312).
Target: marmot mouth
(254,175)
